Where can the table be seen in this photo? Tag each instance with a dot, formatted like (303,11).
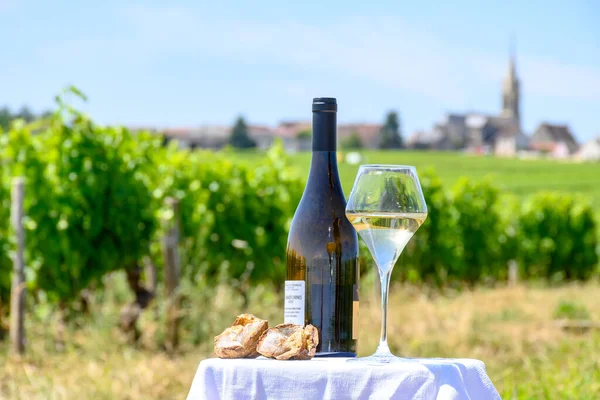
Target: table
(334,378)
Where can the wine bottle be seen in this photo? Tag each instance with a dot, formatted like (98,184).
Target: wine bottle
(321,286)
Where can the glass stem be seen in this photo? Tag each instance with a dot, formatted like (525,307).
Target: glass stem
(385,286)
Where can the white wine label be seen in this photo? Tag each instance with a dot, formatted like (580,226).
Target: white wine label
(295,292)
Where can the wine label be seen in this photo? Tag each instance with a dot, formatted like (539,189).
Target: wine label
(295,292)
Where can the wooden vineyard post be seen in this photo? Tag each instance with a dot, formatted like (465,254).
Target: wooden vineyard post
(150,274)
(171,261)
(151,282)
(513,273)
(17,294)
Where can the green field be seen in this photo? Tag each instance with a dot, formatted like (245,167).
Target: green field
(521,177)
(518,331)
(515,331)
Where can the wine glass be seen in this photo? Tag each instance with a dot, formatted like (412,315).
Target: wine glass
(386,207)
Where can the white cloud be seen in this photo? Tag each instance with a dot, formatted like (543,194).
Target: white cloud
(551,78)
(385,51)
(548,78)
(7,5)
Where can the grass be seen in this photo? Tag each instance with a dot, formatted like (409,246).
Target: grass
(511,329)
(570,310)
(521,177)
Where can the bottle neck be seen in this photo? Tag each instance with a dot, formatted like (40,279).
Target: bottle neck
(323,192)
(324,131)
(323,166)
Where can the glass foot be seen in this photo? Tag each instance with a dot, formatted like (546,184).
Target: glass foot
(382,356)
(377,360)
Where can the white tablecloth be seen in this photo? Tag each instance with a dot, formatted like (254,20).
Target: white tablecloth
(333,378)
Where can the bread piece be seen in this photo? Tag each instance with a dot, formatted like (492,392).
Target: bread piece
(240,339)
(289,342)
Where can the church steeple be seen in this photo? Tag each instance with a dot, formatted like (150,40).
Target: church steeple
(510,90)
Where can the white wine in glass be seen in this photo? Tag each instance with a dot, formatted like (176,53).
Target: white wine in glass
(386,207)
(386,234)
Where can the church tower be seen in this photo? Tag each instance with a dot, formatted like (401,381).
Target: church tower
(510,92)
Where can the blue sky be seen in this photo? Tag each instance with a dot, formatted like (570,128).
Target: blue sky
(190,63)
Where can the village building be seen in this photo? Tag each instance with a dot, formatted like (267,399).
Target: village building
(554,140)
(480,132)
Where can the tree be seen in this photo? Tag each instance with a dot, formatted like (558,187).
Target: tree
(239,135)
(5,118)
(352,142)
(390,135)
(305,134)
(46,114)
(25,114)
